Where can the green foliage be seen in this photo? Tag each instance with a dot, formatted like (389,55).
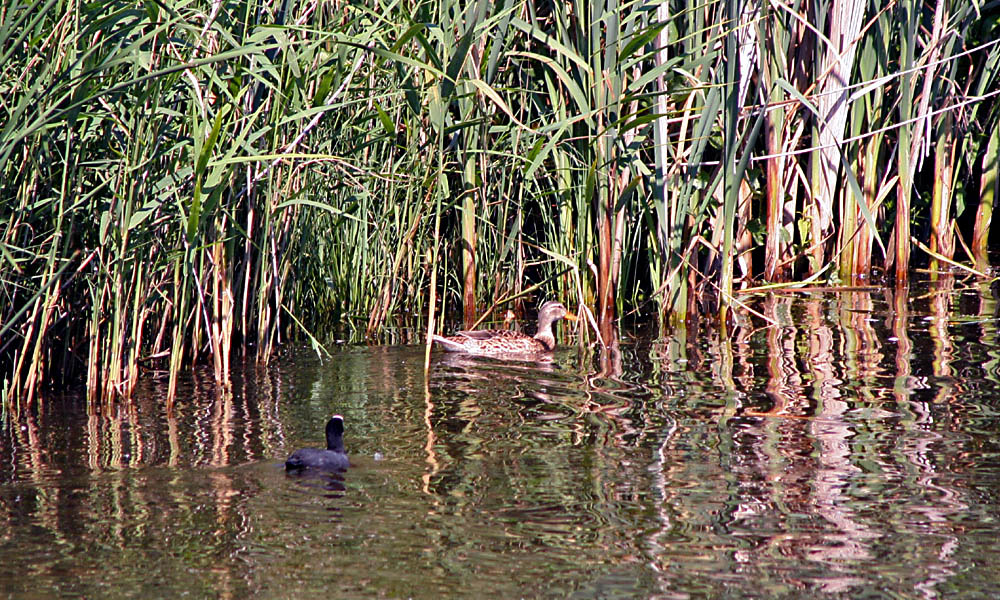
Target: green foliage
(183,179)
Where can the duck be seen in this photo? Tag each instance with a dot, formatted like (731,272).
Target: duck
(334,458)
(503,342)
(508,319)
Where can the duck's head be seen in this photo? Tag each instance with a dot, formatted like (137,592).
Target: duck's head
(335,433)
(552,311)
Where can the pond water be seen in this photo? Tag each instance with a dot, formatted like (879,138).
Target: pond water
(849,446)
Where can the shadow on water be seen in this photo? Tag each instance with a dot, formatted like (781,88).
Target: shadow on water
(845,446)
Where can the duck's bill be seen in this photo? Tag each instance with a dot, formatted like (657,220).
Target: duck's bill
(570,317)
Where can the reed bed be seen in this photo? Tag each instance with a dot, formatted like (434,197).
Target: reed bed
(188,182)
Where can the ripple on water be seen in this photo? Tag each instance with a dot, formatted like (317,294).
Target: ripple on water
(849,452)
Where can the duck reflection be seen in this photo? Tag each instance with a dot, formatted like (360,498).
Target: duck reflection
(315,479)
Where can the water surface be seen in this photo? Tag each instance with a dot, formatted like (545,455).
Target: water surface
(835,445)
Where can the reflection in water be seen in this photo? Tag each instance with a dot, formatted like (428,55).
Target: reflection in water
(327,481)
(846,445)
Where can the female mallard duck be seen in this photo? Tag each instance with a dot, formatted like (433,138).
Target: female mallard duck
(501,342)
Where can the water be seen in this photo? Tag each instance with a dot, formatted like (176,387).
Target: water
(848,448)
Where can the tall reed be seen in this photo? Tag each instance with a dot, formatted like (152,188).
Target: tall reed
(197,182)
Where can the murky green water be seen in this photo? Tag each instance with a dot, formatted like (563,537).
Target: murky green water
(851,449)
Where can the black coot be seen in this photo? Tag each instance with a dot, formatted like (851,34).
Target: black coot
(332,459)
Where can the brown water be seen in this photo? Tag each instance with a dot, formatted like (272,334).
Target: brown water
(851,449)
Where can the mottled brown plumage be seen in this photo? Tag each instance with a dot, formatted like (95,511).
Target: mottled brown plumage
(500,342)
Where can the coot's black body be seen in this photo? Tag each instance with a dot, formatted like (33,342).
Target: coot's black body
(332,459)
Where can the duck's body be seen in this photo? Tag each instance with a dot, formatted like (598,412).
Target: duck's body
(502,342)
(315,458)
(334,458)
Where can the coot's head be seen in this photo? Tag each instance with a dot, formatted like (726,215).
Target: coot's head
(335,433)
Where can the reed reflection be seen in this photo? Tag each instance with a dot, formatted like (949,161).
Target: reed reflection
(825,452)
(784,381)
